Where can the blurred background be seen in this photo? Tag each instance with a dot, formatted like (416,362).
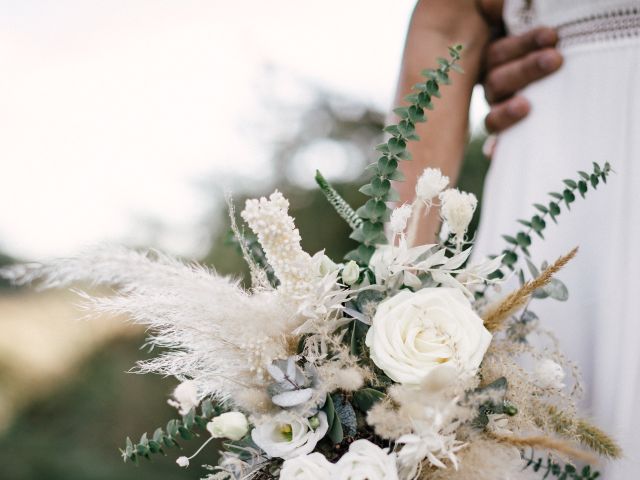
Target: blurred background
(127,121)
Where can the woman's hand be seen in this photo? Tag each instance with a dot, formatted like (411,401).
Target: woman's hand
(511,63)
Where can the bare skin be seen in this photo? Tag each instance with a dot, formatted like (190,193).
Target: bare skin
(504,65)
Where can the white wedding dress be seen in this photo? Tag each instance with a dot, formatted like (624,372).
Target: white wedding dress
(587,112)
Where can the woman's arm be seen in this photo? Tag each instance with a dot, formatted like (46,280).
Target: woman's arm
(436,25)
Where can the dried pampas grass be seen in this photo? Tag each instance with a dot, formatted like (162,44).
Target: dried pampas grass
(485,460)
(583,431)
(549,444)
(495,316)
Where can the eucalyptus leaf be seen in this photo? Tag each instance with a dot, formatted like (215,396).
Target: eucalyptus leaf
(346,415)
(366,398)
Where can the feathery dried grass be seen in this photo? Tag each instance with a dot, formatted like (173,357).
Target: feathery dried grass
(496,315)
(484,459)
(584,432)
(547,443)
(504,359)
(214,332)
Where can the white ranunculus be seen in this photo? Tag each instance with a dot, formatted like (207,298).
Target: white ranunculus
(430,184)
(231,425)
(307,467)
(457,210)
(365,460)
(288,435)
(412,334)
(350,273)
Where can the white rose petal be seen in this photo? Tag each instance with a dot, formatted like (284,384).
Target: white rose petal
(231,425)
(457,210)
(327,266)
(430,184)
(412,334)
(549,374)
(307,467)
(350,273)
(288,435)
(365,460)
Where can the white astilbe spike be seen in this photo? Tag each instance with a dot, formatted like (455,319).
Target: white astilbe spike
(216,334)
(280,239)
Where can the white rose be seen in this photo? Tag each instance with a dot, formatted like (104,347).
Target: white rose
(231,425)
(350,273)
(413,334)
(307,467)
(288,435)
(365,460)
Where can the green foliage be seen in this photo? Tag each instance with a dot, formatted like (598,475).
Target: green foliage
(335,432)
(494,403)
(345,211)
(552,469)
(522,240)
(345,414)
(358,332)
(71,432)
(366,398)
(184,429)
(341,418)
(375,211)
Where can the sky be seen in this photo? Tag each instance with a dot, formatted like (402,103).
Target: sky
(114,113)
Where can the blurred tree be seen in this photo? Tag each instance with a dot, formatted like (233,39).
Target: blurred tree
(358,128)
(5,260)
(75,434)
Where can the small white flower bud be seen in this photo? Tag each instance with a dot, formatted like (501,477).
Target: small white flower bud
(457,210)
(182,462)
(231,425)
(399,218)
(350,273)
(430,184)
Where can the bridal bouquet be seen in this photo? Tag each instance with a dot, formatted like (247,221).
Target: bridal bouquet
(405,362)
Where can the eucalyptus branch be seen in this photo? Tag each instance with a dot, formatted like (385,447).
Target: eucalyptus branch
(340,205)
(552,469)
(184,429)
(523,240)
(375,212)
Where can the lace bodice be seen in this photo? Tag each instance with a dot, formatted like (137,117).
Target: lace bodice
(576,20)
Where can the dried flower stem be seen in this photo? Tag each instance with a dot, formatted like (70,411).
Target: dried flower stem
(588,434)
(547,443)
(495,316)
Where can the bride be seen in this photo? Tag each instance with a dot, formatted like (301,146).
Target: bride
(589,111)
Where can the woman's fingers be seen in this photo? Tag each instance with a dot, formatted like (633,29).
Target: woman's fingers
(505,80)
(507,113)
(514,47)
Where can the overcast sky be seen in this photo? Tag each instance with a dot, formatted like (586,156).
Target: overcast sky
(112,111)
